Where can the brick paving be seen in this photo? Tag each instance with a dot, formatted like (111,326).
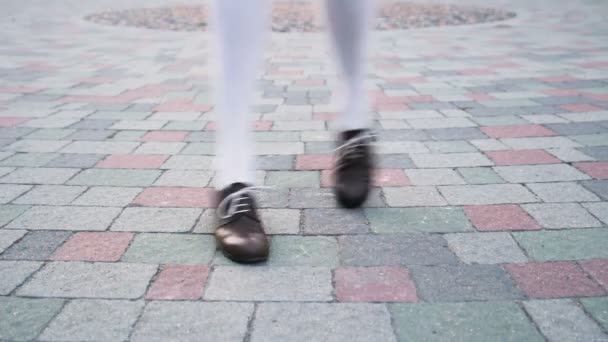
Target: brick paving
(488,218)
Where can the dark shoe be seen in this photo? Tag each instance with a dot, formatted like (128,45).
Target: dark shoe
(240,234)
(354,166)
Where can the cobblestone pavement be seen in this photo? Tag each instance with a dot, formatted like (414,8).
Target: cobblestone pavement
(489,221)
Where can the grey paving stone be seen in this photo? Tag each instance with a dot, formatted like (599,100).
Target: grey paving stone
(160,148)
(187,178)
(156,219)
(539,143)
(402,249)
(89,280)
(9,192)
(100,147)
(577,128)
(334,221)
(28,159)
(425,220)
(94,320)
(34,145)
(199,149)
(91,135)
(36,245)
(597,152)
(598,187)
(599,210)
(322,322)
(563,320)
(540,173)
(15,272)
(450,160)
(93,124)
(480,175)
(486,194)
(591,139)
(75,160)
(456,283)
(473,321)
(293,179)
(9,212)
(561,215)
(188,163)
(485,248)
(22,319)
(387,147)
(51,195)
(42,175)
(222,322)
(413,196)
(9,236)
(282,163)
(107,197)
(171,249)
(394,161)
(433,177)
(562,192)
(14,132)
(403,135)
(117,114)
(115,177)
(450,146)
(270,284)
(312,198)
(65,218)
(455,133)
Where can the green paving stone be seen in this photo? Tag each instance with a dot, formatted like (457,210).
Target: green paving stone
(22,319)
(427,220)
(293,179)
(591,139)
(468,322)
(571,244)
(171,249)
(480,175)
(598,308)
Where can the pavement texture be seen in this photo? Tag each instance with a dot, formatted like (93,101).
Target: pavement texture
(489,220)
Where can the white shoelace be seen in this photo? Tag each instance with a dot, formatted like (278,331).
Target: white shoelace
(233,204)
(350,148)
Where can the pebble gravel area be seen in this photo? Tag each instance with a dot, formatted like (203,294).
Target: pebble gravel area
(300,16)
(488,219)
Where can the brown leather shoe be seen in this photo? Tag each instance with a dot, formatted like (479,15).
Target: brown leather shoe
(240,234)
(354,167)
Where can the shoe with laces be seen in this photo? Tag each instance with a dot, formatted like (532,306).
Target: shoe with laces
(240,234)
(353,170)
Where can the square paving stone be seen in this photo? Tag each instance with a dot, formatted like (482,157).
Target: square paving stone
(561,215)
(563,320)
(240,283)
(374,284)
(303,322)
(171,249)
(473,321)
(425,220)
(388,250)
(89,280)
(156,219)
(562,192)
(22,319)
(36,245)
(413,196)
(598,308)
(75,160)
(485,248)
(15,272)
(65,218)
(42,175)
(486,194)
(9,192)
(459,283)
(9,212)
(201,322)
(94,320)
(553,279)
(115,177)
(540,173)
(565,244)
(107,196)
(51,195)
(598,187)
(9,236)
(334,221)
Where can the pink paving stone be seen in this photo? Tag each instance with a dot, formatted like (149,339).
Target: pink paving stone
(553,280)
(517,131)
(480,97)
(314,162)
(597,97)
(176,197)
(382,178)
(12,122)
(327,178)
(164,136)
(500,217)
(132,161)
(179,282)
(94,246)
(522,157)
(598,269)
(597,170)
(579,108)
(374,284)
(594,65)
(325,116)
